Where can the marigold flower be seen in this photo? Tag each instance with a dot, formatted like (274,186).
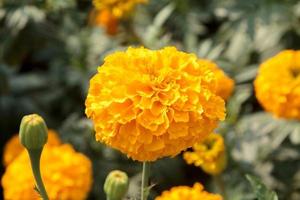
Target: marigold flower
(66,175)
(105,19)
(210,154)
(118,8)
(225,84)
(188,193)
(13,147)
(277,85)
(151,104)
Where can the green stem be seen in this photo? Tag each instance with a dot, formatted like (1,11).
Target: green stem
(35,156)
(221,185)
(145,181)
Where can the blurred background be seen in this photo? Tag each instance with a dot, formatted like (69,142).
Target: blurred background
(49,49)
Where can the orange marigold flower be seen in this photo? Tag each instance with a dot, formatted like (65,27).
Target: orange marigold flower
(13,147)
(188,193)
(225,84)
(210,154)
(151,104)
(105,19)
(277,84)
(118,8)
(66,175)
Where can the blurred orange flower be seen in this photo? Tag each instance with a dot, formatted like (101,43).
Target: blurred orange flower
(107,13)
(13,147)
(277,84)
(66,175)
(118,8)
(210,154)
(105,19)
(188,193)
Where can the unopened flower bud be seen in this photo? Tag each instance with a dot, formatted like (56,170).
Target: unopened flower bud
(116,185)
(33,132)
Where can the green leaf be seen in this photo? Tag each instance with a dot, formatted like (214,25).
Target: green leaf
(295,135)
(204,48)
(37,190)
(154,30)
(260,190)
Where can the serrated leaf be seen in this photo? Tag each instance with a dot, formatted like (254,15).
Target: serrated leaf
(59,5)
(215,52)
(37,190)
(295,135)
(163,15)
(251,26)
(2,13)
(204,48)
(154,29)
(246,74)
(260,190)
(148,189)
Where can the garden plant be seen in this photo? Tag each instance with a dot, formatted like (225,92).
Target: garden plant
(150,99)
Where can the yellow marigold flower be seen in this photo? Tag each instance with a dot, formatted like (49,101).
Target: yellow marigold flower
(277,84)
(210,154)
(66,175)
(13,147)
(188,193)
(225,84)
(151,104)
(118,8)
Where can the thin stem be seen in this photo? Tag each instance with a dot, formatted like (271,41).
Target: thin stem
(35,156)
(145,181)
(221,185)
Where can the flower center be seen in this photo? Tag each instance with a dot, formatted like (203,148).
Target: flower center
(209,144)
(295,72)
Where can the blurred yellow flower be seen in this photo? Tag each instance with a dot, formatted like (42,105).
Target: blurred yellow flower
(151,104)
(225,84)
(66,175)
(13,147)
(118,8)
(105,19)
(188,193)
(210,154)
(277,84)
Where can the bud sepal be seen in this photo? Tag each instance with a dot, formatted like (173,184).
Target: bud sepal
(116,185)
(33,132)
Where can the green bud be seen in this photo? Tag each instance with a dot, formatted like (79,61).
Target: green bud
(33,132)
(116,185)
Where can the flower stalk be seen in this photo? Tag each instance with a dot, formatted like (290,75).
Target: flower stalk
(219,182)
(33,136)
(145,181)
(35,156)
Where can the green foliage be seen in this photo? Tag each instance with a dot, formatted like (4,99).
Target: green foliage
(49,51)
(261,191)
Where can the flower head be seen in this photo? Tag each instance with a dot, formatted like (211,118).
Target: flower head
(151,104)
(225,84)
(66,174)
(277,84)
(210,154)
(13,147)
(118,8)
(188,193)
